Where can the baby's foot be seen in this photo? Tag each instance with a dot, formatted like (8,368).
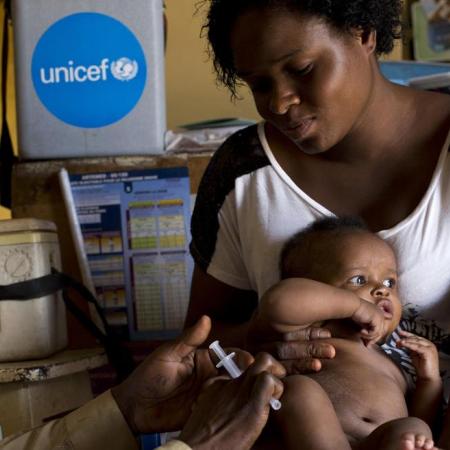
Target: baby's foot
(411,441)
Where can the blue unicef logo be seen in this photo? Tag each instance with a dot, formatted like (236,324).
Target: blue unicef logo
(89,70)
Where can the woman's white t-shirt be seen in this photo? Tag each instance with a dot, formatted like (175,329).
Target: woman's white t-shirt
(247,207)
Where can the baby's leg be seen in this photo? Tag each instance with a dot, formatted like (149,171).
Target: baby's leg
(409,433)
(307,418)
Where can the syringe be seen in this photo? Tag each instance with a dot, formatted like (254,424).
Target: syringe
(233,370)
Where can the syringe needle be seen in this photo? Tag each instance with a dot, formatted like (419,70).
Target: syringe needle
(233,370)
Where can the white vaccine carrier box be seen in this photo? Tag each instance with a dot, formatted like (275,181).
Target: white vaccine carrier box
(36,328)
(89,77)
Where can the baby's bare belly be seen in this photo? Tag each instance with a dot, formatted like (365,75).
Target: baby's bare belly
(364,388)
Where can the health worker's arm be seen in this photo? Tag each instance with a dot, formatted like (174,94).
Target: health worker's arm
(98,424)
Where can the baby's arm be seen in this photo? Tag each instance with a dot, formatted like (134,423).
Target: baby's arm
(299,302)
(427,396)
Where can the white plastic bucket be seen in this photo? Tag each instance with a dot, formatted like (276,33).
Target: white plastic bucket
(36,328)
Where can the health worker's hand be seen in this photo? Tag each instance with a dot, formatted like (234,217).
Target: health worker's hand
(300,351)
(159,394)
(230,414)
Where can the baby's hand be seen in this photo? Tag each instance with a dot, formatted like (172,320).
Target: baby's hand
(424,355)
(371,320)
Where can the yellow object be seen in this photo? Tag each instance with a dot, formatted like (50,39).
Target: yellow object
(191,90)
(10,92)
(402,47)
(5,213)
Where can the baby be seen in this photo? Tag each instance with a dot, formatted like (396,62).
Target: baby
(336,274)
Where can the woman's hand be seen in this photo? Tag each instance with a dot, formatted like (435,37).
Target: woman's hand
(299,350)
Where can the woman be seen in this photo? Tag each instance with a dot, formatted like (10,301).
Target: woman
(337,139)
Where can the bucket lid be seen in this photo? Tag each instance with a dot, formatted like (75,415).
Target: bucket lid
(23,225)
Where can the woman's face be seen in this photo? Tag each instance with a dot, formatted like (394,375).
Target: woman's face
(309,81)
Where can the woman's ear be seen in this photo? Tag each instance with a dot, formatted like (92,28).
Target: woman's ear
(369,40)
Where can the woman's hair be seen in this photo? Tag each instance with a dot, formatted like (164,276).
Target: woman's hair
(381,16)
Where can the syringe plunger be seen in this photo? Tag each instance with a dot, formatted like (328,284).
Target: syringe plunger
(233,370)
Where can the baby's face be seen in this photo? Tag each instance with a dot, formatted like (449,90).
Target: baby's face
(366,265)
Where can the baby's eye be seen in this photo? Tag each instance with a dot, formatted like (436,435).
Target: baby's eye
(389,283)
(357,280)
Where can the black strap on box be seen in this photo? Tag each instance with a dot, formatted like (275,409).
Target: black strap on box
(7,157)
(119,356)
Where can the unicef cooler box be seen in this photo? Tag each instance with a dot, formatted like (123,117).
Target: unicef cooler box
(90,77)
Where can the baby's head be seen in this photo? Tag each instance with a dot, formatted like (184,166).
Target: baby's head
(342,252)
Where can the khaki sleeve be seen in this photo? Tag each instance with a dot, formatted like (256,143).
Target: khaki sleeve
(174,445)
(97,425)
